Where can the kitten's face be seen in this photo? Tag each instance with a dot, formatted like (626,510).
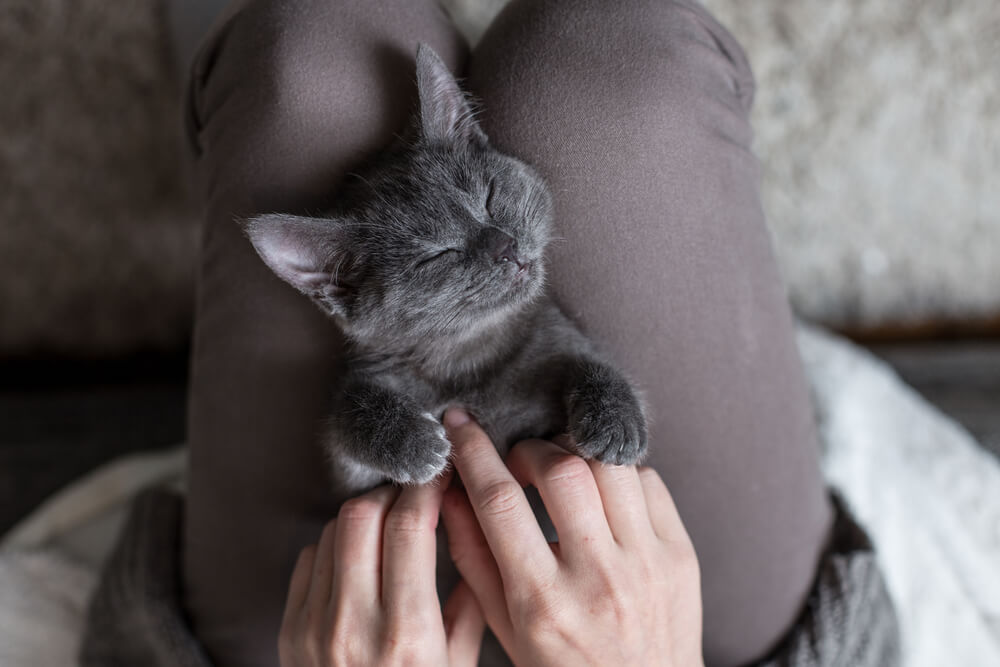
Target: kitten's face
(435,240)
(447,237)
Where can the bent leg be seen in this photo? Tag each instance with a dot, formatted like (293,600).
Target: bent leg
(637,114)
(285,97)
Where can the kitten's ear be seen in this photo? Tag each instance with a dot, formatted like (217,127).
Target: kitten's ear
(445,114)
(307,253)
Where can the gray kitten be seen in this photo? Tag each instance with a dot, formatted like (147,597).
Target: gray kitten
(432,265)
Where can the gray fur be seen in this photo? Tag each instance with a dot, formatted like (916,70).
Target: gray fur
(432,265)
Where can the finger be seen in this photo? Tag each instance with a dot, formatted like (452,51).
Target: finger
(298,591)
(568,490)
(409,549)
(320,583)
(624,501)
(358,554)
(510,527)
(298,585)
(660,504)
(464,625)
(471,554)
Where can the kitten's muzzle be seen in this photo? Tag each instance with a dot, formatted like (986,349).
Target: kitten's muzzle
(501,247)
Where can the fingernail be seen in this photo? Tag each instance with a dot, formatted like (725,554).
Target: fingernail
(456,417)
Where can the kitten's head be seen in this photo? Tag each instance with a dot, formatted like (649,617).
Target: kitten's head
(434,239)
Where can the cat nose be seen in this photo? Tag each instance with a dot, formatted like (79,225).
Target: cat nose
(508,254)
(502,247)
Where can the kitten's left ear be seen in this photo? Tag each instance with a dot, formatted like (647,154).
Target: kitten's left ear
(310,254)
(445,114)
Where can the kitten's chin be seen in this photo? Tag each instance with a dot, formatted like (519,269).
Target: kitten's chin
(515,292)
(518,297)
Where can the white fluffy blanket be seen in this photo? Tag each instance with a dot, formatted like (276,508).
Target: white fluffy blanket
(926,492)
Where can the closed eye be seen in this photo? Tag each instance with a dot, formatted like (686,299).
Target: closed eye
(489,198)
(436,255)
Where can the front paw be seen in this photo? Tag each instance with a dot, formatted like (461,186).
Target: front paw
(419,450)
(606,420)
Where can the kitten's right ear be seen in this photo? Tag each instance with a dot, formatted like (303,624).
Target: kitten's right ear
(307,253)
(445,113)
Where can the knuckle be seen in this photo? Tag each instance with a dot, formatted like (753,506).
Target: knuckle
(606,578)
(360,509)
(310,640)
(499,499)
(343,643)
(342,652)
(615,607)
(618,608)
(404,644)
(314,626)
(566,468)
(649,566)
(406,521)
(286,640)
(683,559)
(539,611)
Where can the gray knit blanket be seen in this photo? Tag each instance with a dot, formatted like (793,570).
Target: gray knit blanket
(136,617)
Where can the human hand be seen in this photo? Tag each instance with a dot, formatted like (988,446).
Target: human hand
(621,587)
(366,594)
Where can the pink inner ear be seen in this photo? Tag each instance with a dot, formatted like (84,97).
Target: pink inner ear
(294,259)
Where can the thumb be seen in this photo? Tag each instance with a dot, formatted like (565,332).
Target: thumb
(464,625)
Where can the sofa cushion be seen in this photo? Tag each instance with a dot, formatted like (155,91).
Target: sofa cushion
(99,232)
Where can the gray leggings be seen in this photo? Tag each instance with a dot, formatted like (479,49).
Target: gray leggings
(636,111)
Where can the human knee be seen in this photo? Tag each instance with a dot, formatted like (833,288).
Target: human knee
(658,65)
(289,95)
(680,54)
(261,58)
